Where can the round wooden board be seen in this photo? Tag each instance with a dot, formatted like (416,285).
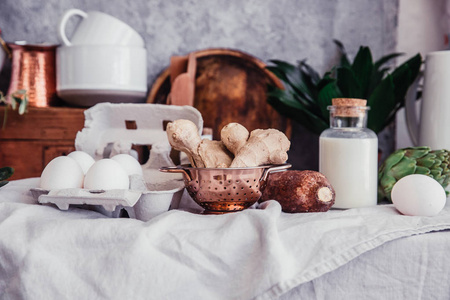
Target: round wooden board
(230,86)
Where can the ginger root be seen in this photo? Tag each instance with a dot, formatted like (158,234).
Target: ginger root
(263,147)
(183,136)
(234,136)
(214,154)
(237,148)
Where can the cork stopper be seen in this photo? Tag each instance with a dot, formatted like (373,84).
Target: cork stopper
(348,102)
(349,107)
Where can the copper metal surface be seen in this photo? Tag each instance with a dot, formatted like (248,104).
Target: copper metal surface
(225,189)
(34,70)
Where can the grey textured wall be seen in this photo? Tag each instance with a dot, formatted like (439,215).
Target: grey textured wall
(283,29)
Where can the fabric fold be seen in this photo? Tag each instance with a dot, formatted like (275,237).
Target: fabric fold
(258,253)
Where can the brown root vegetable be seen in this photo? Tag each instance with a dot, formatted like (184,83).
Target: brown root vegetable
(237,148)
(234,136)
(183,136)
(214,154)
(299,191)
(263,147)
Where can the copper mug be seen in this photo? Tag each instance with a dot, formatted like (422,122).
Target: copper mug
(34,70)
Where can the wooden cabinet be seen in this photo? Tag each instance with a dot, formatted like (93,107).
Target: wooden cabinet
(31,140)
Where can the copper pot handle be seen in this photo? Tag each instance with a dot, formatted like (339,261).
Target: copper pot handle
(272,169)
(176,170)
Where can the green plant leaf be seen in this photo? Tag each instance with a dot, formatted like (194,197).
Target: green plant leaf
(344,61)
(385,59)
(307,95)
(17,99)
(299,83)
(22,107)
(2,183)
(287,105)
(294,78)
(6,172)
(2,98)
(381,102)
(280,67)
(330,91)
(362,67)
(279,73)
(347,83)
(327,78)
(297,98)
(309,72)
(375,78)
(310,78)
(404,75)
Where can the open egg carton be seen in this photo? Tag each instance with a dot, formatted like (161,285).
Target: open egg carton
(138,130)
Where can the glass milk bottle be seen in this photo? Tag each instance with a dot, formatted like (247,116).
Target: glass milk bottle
(348,154)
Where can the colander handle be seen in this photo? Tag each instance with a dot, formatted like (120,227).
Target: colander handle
(176,170)
(272,169)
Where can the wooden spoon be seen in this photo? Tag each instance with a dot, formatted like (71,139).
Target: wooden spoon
(183,87)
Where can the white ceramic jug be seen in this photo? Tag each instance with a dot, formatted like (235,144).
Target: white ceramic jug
(434,127)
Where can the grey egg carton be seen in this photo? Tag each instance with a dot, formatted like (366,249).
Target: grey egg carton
(112,129)
(139,202)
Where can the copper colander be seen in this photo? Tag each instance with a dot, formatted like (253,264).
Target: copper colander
(221,190)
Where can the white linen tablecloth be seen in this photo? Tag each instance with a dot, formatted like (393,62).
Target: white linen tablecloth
(46,253)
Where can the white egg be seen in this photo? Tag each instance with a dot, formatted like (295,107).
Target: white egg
(418,195)
(83,159)
(106,174)
(129,163)
(62,172)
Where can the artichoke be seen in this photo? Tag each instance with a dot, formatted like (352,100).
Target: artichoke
(413,160)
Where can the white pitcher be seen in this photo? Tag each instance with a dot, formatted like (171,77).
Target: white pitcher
(434,127)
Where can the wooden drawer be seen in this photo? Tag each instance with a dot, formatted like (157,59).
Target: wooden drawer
(30,141)
(28,158)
